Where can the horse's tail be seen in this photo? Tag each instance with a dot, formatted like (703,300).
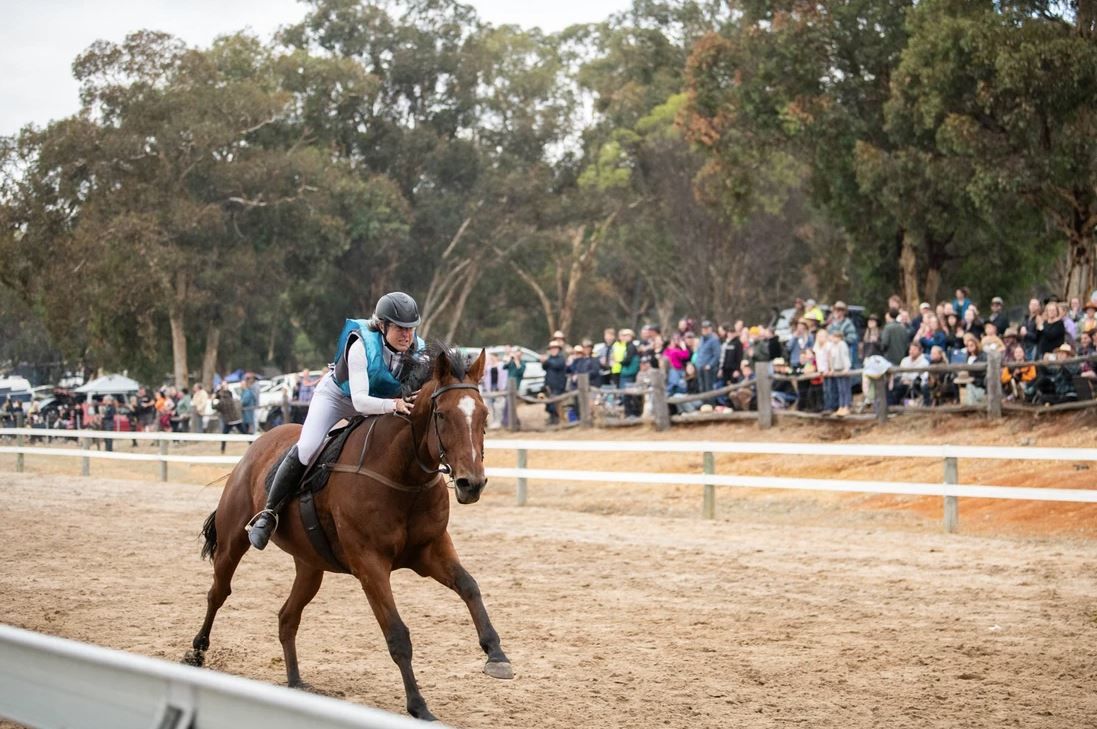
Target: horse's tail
(209,531)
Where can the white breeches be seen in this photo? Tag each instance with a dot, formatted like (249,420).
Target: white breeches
(328,406)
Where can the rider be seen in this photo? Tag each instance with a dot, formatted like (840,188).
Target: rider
(372,359)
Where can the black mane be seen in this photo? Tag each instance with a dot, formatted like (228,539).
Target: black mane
(421,369)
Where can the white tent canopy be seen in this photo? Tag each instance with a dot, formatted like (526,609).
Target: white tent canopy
(110,385)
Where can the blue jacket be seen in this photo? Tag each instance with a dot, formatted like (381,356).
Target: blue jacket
(381,381)
(708,353)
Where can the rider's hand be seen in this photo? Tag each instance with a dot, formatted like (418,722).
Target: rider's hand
(410,399)
(401,407)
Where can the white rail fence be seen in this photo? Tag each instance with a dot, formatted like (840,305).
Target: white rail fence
(949,488)
(52,683)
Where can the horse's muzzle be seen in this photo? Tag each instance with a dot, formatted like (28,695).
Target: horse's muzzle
(468,490)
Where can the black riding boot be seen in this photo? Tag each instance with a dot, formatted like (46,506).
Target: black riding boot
(286,479)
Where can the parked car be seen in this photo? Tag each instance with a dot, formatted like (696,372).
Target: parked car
(533,381)
(272,393)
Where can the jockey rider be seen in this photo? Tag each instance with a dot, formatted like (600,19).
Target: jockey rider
(372,358)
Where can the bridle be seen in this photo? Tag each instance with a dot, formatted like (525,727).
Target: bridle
(443,467)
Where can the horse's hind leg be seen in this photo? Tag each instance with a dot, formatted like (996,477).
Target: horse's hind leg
(440,561)
(226,558)
(305,586)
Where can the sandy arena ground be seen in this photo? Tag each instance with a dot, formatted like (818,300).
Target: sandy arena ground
(786,610)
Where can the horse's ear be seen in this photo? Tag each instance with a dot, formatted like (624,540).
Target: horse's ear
(441,367)
(476,370)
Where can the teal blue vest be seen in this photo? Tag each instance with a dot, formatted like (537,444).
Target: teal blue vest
(381,381)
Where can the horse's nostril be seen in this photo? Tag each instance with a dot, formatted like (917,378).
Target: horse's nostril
(463,484)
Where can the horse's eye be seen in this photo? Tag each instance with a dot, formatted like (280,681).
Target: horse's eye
(441,416)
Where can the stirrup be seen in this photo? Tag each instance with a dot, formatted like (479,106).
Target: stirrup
(260,535)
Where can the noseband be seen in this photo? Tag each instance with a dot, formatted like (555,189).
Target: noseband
(443,467)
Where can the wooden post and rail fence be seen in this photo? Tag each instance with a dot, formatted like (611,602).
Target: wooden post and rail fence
(591,404)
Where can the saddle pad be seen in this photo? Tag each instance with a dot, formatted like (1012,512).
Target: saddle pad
(316,476)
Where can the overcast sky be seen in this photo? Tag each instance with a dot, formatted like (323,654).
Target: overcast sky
(40,38)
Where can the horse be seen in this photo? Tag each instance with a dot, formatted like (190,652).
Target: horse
(389,512)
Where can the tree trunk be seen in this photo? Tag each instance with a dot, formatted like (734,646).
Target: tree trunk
(178,332)
(458,310)
(209,358)
(1081,275)
(908,267)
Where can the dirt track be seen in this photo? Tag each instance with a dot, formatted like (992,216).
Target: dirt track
(610,620)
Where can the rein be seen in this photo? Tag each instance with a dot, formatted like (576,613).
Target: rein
(443,467)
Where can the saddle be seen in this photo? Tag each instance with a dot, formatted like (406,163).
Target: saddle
(314,480)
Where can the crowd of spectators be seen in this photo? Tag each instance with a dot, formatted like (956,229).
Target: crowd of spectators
(815,364)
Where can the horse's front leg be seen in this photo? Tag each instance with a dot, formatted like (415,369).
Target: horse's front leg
(440,561)
(374,577)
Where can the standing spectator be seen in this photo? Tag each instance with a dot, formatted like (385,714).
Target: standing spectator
(845,327)
(997,316)
(228,407)
(608,369)
(629,360)
(200,404)
(800,340)
(494,381)
(184,406)
(916,323)
(894,339)
(1088,324)
(973,323)
(556,378)
(976,391)
(822,366)
(1051,332)
(108,412)
(839,360)
(1075,312)
(708,357)
(584,363)
(516,370)
(677,355)
(1030,330)
(249,401)
(145,410)
(731,356)
(812,311)
(961,303)
(871,344)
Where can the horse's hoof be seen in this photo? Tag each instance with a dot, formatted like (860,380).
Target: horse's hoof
(498,669)
(194,658)
(423,714)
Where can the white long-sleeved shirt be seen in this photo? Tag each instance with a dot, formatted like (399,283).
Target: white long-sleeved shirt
(359,384)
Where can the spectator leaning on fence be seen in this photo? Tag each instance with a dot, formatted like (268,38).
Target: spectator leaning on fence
(911,385)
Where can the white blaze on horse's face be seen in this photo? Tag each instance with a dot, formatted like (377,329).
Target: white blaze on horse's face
(468,406)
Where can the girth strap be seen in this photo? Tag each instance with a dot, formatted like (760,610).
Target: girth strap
(315,532)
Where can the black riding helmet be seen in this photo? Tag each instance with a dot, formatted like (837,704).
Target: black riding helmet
(398,308)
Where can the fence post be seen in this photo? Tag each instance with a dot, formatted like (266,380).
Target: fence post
(708,507)
(764,395)
(660,410)
(521,492)
(582,397)
(512,406)
(994,383)
(164,464)
(20,440)
(952,506)
(195,421)
(85,462)
(879,398)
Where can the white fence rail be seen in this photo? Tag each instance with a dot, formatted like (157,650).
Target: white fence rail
(949,488)
(52,683)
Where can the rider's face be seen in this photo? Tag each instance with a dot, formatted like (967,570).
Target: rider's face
(399,338)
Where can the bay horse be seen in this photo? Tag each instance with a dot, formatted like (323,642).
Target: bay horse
(390,512)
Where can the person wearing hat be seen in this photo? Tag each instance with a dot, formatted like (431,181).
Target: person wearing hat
(555,364)
(841,323)
(812,311)
(1088,322)
(707,358)
(997,315)
(800,340)
(374,359)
